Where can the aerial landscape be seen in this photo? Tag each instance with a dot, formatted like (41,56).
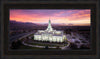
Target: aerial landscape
(50,29)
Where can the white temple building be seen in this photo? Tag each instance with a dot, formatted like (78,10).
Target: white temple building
(50,35)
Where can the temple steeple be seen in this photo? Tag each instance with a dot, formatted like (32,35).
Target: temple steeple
(49,28)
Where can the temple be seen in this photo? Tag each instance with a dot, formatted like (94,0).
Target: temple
(50,35)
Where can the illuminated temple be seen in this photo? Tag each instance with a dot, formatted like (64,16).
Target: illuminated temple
(49,34)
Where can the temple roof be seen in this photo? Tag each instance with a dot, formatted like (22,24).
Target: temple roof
(56,33)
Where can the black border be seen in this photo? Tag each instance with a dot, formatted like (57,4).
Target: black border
(6,56)
(92,51)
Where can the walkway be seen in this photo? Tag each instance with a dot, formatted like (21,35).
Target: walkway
(63,48)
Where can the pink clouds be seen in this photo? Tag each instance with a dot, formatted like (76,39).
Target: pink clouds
(81,15)
(56,16)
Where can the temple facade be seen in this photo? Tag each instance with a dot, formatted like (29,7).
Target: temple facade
(49,34)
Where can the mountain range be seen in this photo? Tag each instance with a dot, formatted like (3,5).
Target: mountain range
(12,23)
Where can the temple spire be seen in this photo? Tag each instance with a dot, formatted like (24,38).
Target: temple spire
(49,28)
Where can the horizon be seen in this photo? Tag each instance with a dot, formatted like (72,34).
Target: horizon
(53,23)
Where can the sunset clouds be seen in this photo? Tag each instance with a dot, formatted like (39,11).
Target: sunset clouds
(66,16)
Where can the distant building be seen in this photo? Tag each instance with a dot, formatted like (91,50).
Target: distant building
(49,35)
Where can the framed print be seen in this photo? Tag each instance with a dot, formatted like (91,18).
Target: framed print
(49,29)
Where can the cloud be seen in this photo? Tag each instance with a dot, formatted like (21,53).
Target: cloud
(56,16)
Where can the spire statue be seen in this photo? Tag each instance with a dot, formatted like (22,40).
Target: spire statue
(49,28)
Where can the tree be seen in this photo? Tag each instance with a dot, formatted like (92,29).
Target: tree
(46,47)
(16,44)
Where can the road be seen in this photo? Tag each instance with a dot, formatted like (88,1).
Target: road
(13,38)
